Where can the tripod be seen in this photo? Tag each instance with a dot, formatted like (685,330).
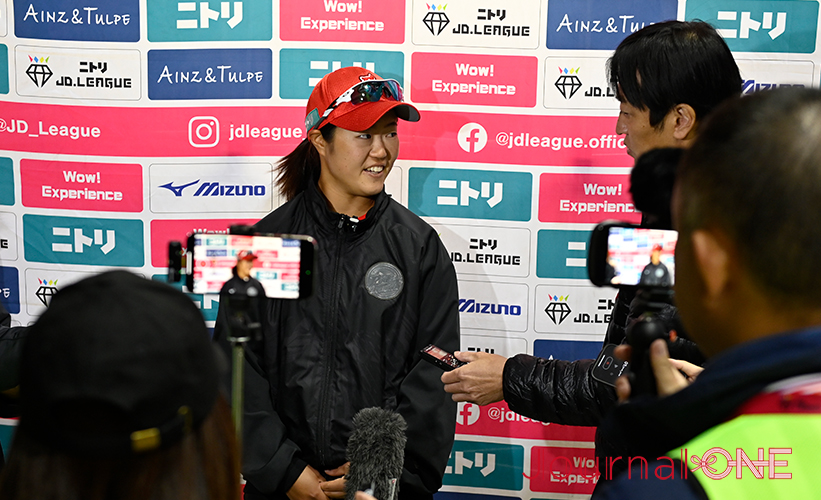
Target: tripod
(242,327)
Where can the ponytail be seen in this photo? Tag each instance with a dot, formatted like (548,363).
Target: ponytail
(301,166)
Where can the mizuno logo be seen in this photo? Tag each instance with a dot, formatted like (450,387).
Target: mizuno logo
(217,189)
(177,190)
(471,306)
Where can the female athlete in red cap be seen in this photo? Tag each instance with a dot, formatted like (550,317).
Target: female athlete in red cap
(385,288)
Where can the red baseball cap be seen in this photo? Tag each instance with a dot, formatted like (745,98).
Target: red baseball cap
(246,255)
(658,247)
(356,117)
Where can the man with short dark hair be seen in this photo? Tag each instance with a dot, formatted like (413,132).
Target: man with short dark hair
(748,291)
(668,77)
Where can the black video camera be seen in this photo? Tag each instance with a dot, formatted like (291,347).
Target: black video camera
(627,256)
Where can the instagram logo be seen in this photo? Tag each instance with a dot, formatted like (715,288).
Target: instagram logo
(472,137)
(203,131)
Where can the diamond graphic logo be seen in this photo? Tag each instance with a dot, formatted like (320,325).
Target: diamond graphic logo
(436,19)
(46,291)
(568,82)
(38,71)
(558,310)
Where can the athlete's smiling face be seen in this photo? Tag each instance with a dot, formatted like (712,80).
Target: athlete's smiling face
(356,163)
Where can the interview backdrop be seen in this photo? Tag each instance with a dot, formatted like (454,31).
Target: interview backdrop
(126,124)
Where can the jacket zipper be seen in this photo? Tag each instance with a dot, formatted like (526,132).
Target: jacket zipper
(330,351)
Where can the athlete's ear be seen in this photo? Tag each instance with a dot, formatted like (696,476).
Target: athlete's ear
(315,136)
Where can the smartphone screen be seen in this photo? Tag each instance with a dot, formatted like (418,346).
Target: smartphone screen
(608,367)
(639,256)
(283,264)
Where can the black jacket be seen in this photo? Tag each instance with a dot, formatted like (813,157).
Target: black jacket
(560,391)
(565,392)
(384,289)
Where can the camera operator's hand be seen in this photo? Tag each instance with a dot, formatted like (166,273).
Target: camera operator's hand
(670,373)
(479,381)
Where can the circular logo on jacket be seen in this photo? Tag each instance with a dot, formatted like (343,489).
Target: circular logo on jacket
(384,281)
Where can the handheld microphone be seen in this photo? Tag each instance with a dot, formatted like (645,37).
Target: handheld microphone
(376,451)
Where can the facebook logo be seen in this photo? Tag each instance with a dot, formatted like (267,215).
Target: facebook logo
(301,69)
(562,254)
(472,137)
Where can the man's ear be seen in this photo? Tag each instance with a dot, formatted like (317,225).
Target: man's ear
(315,136)
(712,257)
(685,122)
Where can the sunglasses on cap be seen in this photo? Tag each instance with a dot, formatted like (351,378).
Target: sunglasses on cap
(367,91)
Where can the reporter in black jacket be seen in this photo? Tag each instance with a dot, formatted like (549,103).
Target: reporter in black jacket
(667,77)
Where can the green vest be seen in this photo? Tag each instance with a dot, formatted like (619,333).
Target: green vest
(774,445)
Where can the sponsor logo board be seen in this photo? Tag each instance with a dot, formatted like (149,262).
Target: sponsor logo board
(490,251)
(502,344)
(211,188)
(6,181)
(301,69)
(83,241)
(209,21)
(74,20)
(8,237)
(601,24)
(210,74)
(563,469)
(4,68)
(74,73)
(377,21)
(760,26)
(562,253)
(10,289)
(470,194)
(493,306)
(163,231)
(573,309)
(578,83)
(583,198)
(569,350)
(498,420)
(110,187)
(42,284)
(764,75)
(474,79)
(485,465)
(464,23)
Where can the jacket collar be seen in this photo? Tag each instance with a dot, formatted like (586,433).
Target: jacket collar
(328,219)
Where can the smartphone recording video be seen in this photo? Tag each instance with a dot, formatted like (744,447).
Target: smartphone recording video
(625,255)
(283,264)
